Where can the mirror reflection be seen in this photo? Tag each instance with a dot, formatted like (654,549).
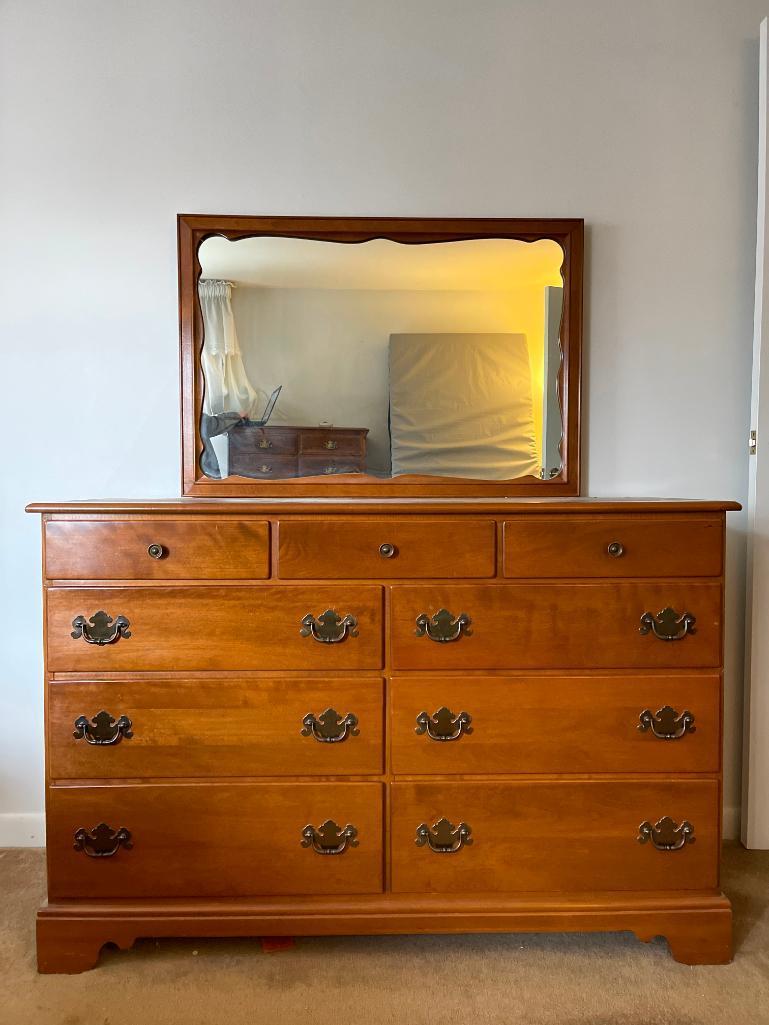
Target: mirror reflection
(380,358)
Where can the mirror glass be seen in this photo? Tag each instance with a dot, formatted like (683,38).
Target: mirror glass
(380,358)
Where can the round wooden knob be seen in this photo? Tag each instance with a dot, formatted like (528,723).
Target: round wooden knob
(156,551)
(388,551)
(616,549)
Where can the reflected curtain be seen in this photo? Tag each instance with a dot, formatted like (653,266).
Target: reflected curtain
(228,390)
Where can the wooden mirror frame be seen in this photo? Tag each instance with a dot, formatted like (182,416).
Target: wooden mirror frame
(193,229)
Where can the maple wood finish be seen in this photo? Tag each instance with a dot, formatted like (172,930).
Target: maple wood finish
(215,840)
(412,548)
(552,724)
(214,769)
(193,229)
(546,836)
(195,549)
(209,627)
(215,726)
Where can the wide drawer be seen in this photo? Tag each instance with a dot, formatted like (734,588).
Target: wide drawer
(565,835)
(386,548)
(613,546)
(208,627)
(212,840)
(554,625)
(321,443)
(520,724)
(157,549)
(214,727)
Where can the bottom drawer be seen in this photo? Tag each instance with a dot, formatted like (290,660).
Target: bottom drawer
(213,840)
(544,835)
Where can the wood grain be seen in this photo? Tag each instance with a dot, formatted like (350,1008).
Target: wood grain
(335,548)
(557,625)
(562,724)
(215,840)
(208,627)
(193,549)
(564,835)
(698,925)
(215,727)
(653,546)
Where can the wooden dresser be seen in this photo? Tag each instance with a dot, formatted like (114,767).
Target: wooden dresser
(286,717)
(282,452)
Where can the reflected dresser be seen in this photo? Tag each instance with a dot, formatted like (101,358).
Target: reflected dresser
(350,716)
(280,452)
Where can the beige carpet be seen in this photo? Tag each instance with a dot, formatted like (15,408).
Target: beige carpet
(565,979)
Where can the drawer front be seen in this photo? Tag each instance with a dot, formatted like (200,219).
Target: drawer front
(334,443)
(184,628)
(613,546)
(522,724)
(263,466)
(554,626)
(322,466)
(157,549)
(214,727)
(212,840)
(566,836)
(386,548)
(263,441)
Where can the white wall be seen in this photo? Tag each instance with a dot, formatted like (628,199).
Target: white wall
(641,117)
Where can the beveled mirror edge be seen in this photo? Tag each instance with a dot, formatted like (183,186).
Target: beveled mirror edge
(192,229)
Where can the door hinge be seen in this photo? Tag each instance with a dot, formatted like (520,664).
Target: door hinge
(752,443)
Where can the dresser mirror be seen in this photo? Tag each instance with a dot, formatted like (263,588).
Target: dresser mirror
(377,356)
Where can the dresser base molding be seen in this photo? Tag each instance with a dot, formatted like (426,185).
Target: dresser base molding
(697,926)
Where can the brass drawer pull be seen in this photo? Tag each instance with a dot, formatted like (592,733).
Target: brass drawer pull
(616,549)
(331,469)
(330,444)
(666,723)
(102,841)
(330,727)
(100,628)
(388,551)
(329,838)
(264,443)
(443,724)
(264,468)
(443,627)
(102,729)
(156,551)
(444,837)
(668,625)
(329,627)
(665,835)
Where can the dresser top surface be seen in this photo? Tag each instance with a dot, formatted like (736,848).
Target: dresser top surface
(353,506)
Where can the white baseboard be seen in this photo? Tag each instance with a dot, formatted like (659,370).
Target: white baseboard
(22,829)
(731,822)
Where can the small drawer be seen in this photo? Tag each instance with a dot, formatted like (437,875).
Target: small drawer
(263,441)
(334,444)
(613,546)
(264,466)
(607,625)
(554,724)
(157,549)
(554,835)
(324,466)
(214,840)
(386,548)
(214,727)
(208,628)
